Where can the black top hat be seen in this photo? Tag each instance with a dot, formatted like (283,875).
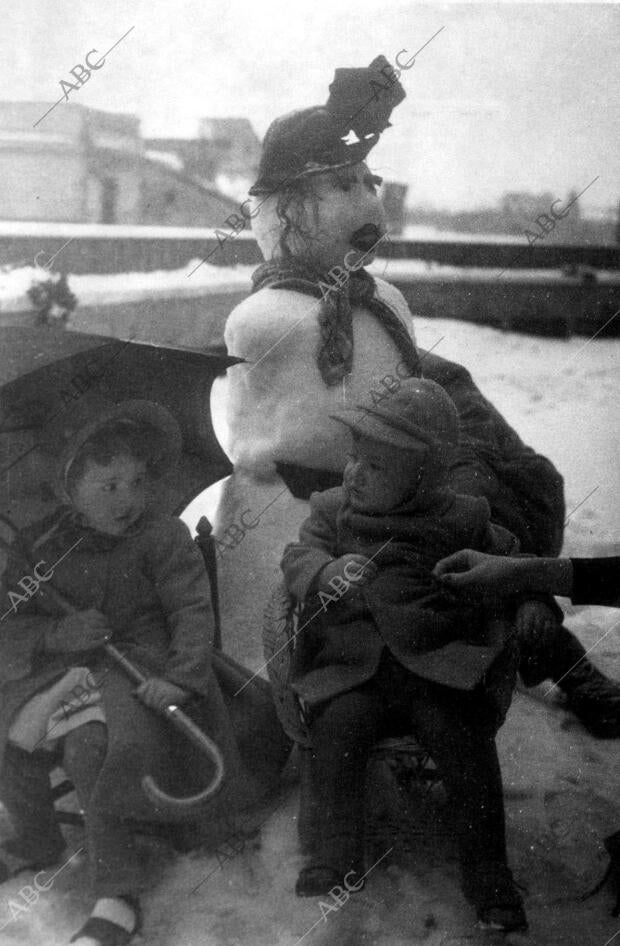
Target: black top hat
(311,140)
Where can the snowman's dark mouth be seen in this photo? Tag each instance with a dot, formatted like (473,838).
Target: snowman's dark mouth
(365,238)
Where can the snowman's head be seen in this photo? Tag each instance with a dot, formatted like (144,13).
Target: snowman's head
(334,218)
(316,202)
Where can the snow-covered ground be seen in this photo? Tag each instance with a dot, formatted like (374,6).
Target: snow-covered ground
(562,787)
(197,278)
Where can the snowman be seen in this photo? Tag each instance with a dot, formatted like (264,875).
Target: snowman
(319,333)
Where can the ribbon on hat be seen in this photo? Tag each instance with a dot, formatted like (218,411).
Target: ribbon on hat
(312,141)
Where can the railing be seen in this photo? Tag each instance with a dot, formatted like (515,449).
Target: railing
(99,248)
(549,289)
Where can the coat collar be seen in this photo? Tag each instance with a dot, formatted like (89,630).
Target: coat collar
(69,526)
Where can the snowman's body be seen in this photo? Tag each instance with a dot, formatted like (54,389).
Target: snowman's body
(272,412)
(275,409)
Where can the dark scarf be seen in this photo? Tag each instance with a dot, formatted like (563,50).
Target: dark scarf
(401,523)
(335,352)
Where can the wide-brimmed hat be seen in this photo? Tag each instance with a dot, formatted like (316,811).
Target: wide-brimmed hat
(311,141)
(420,410)
(71,429)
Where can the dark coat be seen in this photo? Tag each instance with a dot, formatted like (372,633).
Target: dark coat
(523,488)
(402,608)
(153,588)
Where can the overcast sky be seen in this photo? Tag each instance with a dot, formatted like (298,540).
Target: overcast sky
(507,97)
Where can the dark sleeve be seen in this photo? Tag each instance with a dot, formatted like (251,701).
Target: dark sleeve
(595,581)
(303,560)
(183,588)
(24,621)
(523,488)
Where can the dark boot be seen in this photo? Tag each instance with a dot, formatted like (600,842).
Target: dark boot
(593,697)
(26,793)
(496,897)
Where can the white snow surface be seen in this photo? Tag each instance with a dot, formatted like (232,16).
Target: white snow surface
(561,785)
(197,278)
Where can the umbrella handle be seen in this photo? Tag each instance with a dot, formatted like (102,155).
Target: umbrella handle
(188,727)
(171,802)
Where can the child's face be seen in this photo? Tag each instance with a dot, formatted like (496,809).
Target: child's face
(111,497)
(378,477)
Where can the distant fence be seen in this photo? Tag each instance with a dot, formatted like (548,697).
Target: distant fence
(95,248)
(98,248)
(500,282)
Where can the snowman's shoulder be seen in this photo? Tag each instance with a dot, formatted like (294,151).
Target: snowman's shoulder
(267,318)
(269,308)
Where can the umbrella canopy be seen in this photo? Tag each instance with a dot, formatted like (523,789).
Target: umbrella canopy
(47,380)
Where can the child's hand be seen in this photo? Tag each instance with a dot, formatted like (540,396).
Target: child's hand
(78,632)
(534,618)
(356,570)
(158,694)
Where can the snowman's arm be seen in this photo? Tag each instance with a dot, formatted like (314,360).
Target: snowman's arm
(302,561)
(271,402)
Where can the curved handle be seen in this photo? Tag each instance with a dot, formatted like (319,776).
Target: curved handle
(190,730)
(206,745)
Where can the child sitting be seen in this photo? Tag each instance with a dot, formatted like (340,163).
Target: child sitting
(134,577)
(394,652)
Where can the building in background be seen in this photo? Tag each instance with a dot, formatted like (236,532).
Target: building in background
(83,165)
(225,154)
(524,214)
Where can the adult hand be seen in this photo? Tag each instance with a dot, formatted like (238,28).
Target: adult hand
(78,632)
(158,693)
(354,570)
(477,574)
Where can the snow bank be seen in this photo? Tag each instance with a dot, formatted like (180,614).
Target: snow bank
(195,279)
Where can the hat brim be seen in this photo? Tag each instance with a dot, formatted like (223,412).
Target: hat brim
(368,425)
(143,412)
(270,187)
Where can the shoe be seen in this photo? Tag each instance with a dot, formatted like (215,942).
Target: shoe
(592,696)
(510,918)
(318,881)
(107,933)
(495,894)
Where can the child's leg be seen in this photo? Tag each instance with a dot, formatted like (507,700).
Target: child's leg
(458,731)
(111,850)
(343,732)
(25,792)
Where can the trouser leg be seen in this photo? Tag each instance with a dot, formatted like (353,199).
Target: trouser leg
(550,656)
(111,849)
(560,656)
(456,729)
(343,732)
(26,793)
